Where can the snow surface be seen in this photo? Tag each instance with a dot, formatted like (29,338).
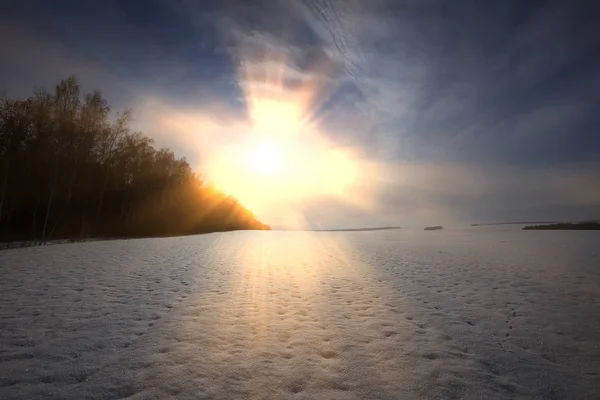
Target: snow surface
(479,313)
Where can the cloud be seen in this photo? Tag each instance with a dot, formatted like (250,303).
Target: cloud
(421,194)
(456,110)
(449,81)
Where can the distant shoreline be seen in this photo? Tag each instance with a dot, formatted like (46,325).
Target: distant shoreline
(516,223)
(576,226)
(385,228)
(537,222)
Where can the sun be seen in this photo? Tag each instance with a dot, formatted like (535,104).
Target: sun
(266,158)
(278,153)
(281,158)
(283,161)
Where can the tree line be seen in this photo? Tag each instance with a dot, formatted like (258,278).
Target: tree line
(69,169)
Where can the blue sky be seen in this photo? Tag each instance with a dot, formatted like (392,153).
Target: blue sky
(472,110)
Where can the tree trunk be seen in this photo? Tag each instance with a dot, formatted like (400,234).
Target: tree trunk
(43,240)
(82,224)
(33,235)
(72,181)
(103,189)
(4,187)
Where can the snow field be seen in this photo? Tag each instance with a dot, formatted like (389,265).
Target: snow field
(304,315)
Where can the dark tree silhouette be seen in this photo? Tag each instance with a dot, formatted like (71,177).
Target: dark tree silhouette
(67,170)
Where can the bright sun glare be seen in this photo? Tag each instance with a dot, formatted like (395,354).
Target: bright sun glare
(283,160)
(267,158)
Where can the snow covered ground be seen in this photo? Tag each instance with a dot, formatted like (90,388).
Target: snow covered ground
(478,313)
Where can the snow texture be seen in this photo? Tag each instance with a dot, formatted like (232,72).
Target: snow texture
(474,314)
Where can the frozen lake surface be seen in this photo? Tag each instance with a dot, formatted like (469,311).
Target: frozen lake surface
(475,313)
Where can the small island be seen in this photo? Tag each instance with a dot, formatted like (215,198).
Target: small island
(434,228)
(578,226)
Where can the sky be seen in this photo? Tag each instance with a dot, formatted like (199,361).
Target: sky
(383,112)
